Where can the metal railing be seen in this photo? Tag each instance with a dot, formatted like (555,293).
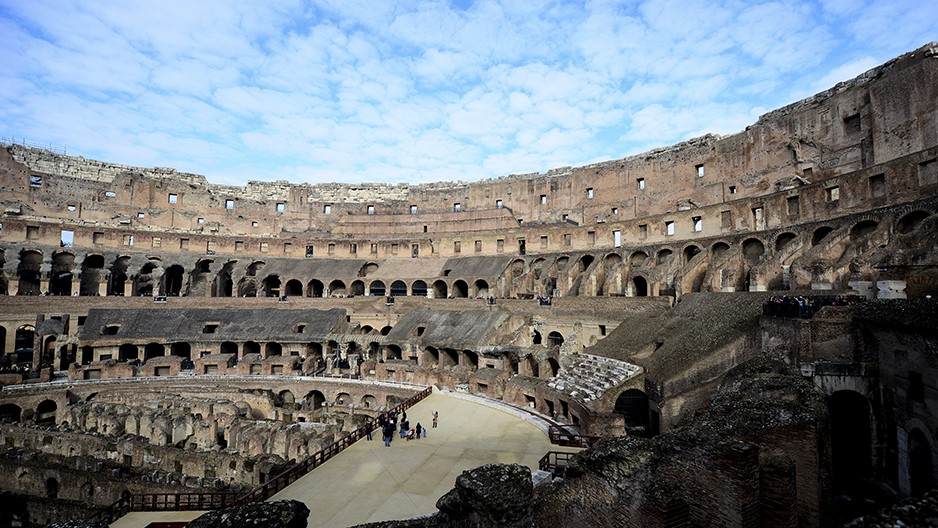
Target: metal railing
(32,144)
(216,500)
(555,462)
(560,436)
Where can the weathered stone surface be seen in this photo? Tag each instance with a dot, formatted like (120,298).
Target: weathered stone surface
(278,514)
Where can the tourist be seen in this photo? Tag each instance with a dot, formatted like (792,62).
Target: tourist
(418,430)
(436,415)
(387,432)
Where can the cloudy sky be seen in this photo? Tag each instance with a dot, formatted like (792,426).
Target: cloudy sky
(367,90)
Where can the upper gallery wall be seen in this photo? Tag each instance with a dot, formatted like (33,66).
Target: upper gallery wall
(884,115)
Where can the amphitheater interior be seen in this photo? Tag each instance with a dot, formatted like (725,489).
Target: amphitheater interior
(748,322)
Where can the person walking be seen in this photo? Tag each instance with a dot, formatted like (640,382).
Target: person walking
(387,432)
(435,416)
(418,430)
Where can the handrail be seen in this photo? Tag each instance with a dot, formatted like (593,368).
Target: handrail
(197,501)
(555,462)
(560,436)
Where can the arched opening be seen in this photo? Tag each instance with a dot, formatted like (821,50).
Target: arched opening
(367,269)
(10,412)
(460,289)
(449,357)
(343,398)
(254,268)
(555,339)
(377,289)
(272,349)
(386,330)
(398,288)
(337,289)
(23,341)
(718,249)
(29,272)
(850,435)
(431,357)
(633,406)
(517,268)
(270,286)
(52,488)
(480,289)
(181,349)
(440,290)
(418,289)
(584,263)
(119,278)
(314,400)
(637,259)
(224,284)
(365,330)
(539,268)
(293,288)
(87,355)
(640,286)
(357,288)
(127,352)
(531,367)
(394,352)
(611,260)
(229,347)
(783,240)
(663,256)
(472,359)
(172,280)
(247,288)
(45,412)
(819,234)
(554,367)
(60,282)
(251,347)
(920,464)
(314,351)
(910,221)
(369,401)
(861,229)
(753,249)
(286,397)
(314,288)
(152,350)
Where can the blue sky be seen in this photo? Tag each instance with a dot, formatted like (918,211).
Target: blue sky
(369,91)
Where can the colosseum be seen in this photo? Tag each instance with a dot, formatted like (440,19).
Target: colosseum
(730,331)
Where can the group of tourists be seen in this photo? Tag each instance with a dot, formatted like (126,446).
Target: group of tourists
(388,424)
(804,307)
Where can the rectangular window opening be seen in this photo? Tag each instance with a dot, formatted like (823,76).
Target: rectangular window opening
(543,199)
(669,228)
(698,224)
(413,209)
(498,204)
(478,246)
(543,242)
(700,170)
(157,242)
(793,206)
(281,207)
(641,184)
(457,207)
(878,185)
(229,204)
(928,172)
(35,180)
(327,209)
(617,238)
(457,246)
(643,231)
(173,198)
(589,193)
(68,237)
(371,209)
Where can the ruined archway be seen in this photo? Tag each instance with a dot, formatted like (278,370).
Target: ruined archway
(356,288)
(314,400)
(272,349)
(181,349)
(293,288)
(172,281)
(782,241)
(92,274)
(152,350)
(250,347)
(224,284)
(555,339)
(633,406)
(460,289)
(753,249)
(398,288)
(45,412)
(480,289)
(663,256)
(337,289)
(127,352)
(820,233)
(531,367)
(29,272)
(270,286)
(690,252)
(119,278)
(718,249)
(229,347)
(910,221)
(377,288)
(418,288)
(10,412)
(247,288)
(862,229)
(23,341)
(639,286)
(637,259)
(314,288)
(439,290)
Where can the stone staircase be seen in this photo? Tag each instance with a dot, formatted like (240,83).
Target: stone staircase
(591,376)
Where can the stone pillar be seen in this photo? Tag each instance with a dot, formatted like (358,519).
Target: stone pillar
(890,289)
(864,289)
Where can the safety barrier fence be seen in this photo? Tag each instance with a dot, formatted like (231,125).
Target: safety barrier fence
(561,436)
(555,462)
(198,501)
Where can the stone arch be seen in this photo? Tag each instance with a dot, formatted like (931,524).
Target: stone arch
(286,397)
(398,288)
(314,288)
(555,338)
(10,412)
(30,272)
(270,286)
(365,330)
(23,342)
(369,401)
(531,367)
(337,287)
(753,249)
(247,288)
(250,347)
(45,412)
(584,262)
(611,260)
(127,352)
(637,259)
(272,348)
(851,435)
(516,268)
(480,289)
(377,288)
(460,289)
(537,267)
(553,367)
(152,350)
(440,290)
(367,269)
(52,488)
(863,228)
(782,240)
(181,349)
(820,233)
(562,262)
(314,399)
(431,357)
(663,256)
(910,221)
(357,288)
(632,404)
(394,352)
(472,359)
(229,347)
(224,284)
(343,398)
(254,267)
(921,476)
(690,252)
(173,281)
(418,288)
(386,330)
(718,249)
(293,288)
(92,274)
(639,286)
